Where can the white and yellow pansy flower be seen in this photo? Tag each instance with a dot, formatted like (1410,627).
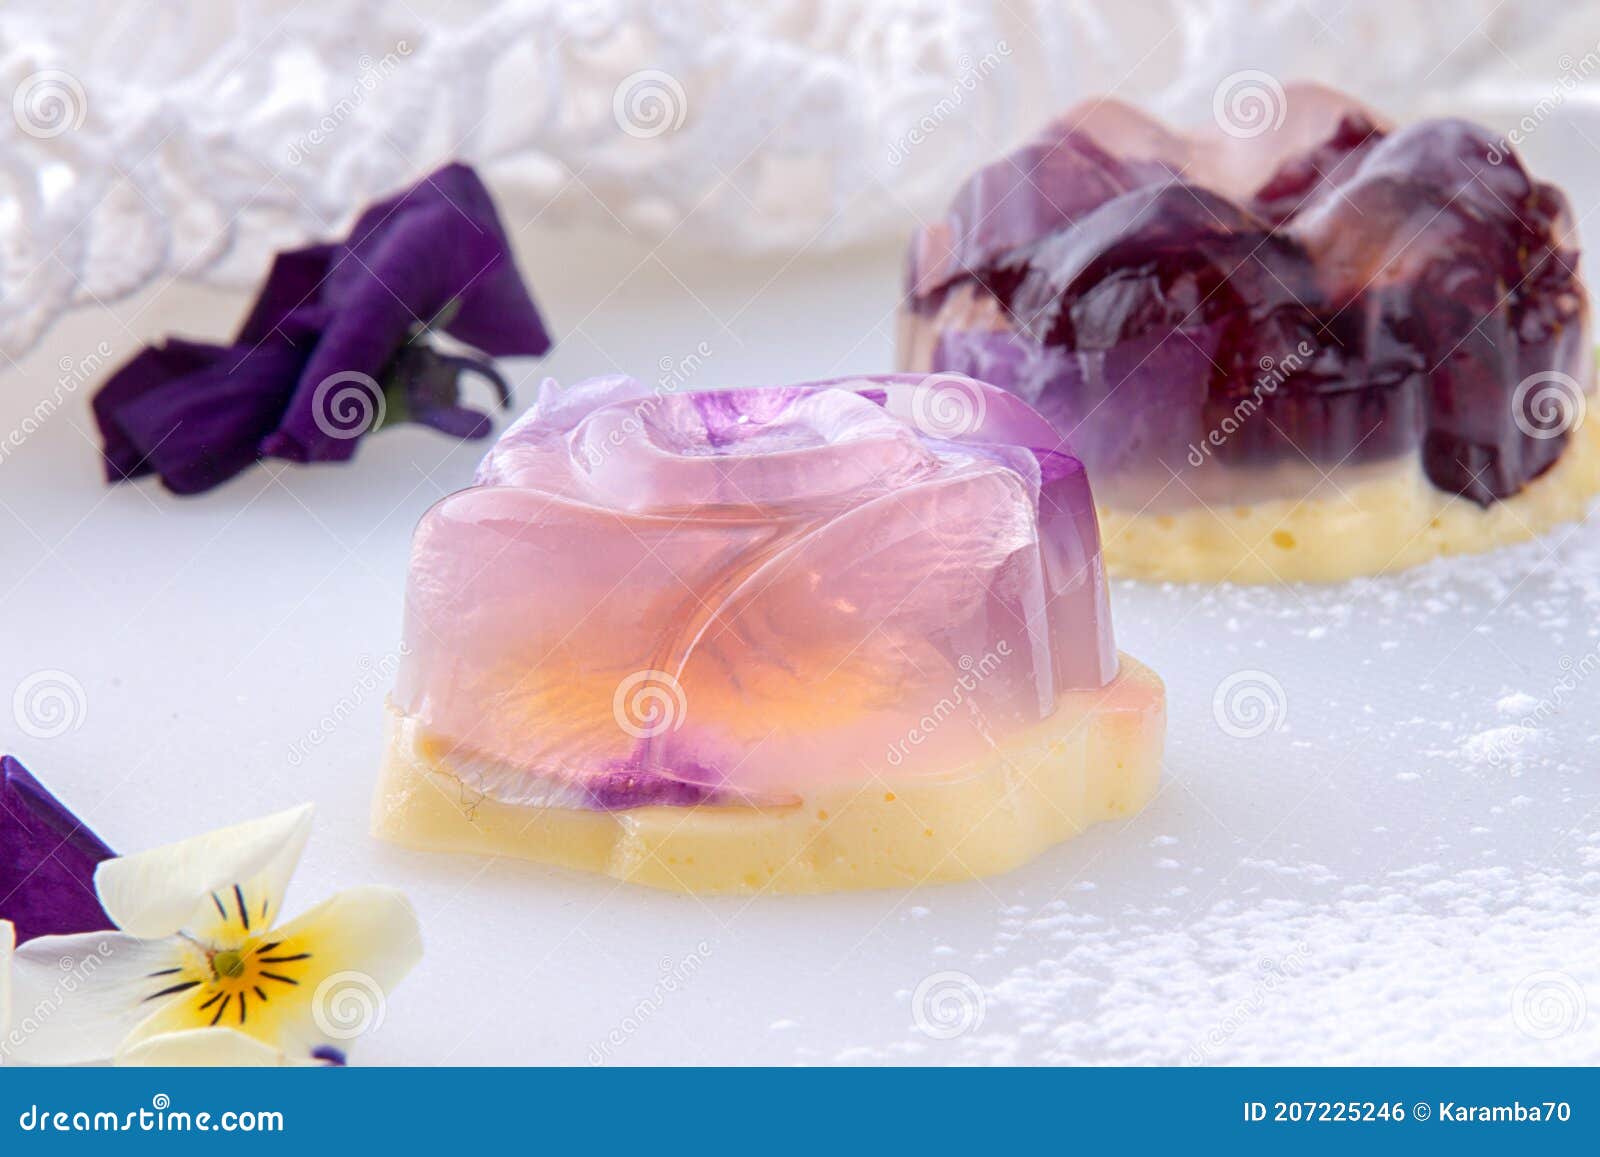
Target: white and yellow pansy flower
(201,968)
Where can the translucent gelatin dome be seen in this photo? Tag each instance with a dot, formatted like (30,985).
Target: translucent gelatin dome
(657,598)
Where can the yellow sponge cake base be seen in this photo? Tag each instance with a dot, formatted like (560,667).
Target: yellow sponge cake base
(1386,522)
(1098,757)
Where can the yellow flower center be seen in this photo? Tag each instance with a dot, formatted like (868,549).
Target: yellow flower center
(229,964)
(232,986)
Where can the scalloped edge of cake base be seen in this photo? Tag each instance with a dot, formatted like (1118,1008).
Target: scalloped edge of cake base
(1377,526)
(1097,758)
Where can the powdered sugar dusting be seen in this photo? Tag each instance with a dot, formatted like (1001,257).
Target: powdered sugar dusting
(1410,873)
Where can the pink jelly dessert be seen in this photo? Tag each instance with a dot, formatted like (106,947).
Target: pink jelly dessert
(1227,319)
(749,601)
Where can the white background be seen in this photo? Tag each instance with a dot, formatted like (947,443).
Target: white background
(1366,881)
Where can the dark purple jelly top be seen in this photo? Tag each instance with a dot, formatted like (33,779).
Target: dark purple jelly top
(1401,283)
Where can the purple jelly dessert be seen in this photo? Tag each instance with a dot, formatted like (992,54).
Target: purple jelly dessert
(1226,320)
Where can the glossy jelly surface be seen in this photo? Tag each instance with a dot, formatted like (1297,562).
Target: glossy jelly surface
(1220,319)
(736,596)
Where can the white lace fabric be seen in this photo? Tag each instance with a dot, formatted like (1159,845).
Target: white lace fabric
(192,140)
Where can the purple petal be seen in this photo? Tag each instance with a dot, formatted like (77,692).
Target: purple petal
(47,860)
(412,273)
(407,259)
(626,786)
(457,421)
(293,285)
(198,414)
(497,313)
(147,371)
(200,429)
